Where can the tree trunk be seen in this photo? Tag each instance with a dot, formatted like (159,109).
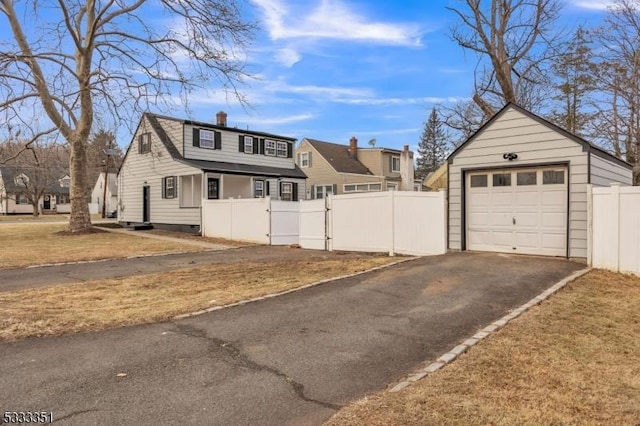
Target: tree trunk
(80,219)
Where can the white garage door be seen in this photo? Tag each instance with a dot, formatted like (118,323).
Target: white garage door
(518,211)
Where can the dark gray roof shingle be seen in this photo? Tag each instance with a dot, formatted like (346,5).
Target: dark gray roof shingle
(339,158)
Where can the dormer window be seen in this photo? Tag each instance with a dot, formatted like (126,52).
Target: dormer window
(282,149)
(65,182)
(270,147)
(248,144)
(206,139)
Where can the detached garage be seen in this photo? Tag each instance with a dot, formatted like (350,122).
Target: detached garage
(519,185)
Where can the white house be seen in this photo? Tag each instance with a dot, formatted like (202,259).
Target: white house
(519,185)
(172,164)
(18,185)
(110,197)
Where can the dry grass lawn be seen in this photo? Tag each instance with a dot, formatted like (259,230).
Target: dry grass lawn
(194,237)
(148,298)
(25,244)
(575,359)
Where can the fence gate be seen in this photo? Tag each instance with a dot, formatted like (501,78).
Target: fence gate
(313,229)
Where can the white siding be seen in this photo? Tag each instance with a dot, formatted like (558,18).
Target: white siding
(151,168)
(173,129)
(535,144)
(604,172)
(230,153)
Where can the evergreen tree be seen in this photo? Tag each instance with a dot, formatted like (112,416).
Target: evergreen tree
(433,147)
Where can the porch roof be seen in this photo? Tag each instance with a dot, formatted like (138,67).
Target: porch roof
(245,169)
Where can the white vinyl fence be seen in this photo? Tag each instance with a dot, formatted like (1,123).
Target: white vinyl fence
(615,235)
(313,227)
(412,223)
(257,220)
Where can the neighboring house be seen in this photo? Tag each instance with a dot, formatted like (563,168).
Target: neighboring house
(437,179)
(519,185)
(338,169)
(110,196)
(172,165)
(18,186)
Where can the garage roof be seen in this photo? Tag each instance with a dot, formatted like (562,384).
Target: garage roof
(586,146)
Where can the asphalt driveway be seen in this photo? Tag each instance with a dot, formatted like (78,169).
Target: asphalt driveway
(293,359)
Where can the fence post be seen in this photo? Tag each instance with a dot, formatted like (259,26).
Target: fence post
(589,224)
(393,225)
(615,206)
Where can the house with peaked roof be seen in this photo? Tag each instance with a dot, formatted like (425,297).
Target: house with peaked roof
(520,185)
(19,186)
(172,165)
(108,195)
(339,169)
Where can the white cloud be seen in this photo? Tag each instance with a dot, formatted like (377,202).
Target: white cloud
(332,19)
(288,57)
(593,4)
(278,120)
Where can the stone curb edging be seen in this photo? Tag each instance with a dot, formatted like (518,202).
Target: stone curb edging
(485,332)
(282,293)
(137,256)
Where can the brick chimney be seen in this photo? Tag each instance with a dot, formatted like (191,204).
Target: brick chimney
(221,119)
(353,147)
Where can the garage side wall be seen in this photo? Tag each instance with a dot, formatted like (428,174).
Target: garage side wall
(535,144)
(604,172)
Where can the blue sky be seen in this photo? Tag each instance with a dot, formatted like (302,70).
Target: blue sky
(332,69)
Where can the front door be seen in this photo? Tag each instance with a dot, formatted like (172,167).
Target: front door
(47,202)
(213,188)
(146,204)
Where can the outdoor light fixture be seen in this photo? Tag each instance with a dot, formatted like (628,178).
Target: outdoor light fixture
(510,156)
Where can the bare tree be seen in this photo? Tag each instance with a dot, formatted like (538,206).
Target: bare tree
(618,77)
(512,40)
(81,58)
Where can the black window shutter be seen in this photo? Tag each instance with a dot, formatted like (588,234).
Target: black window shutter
(262,146)
(241,143)
(196,137)
(140,144)
(217,140)
(289,150)
(335,189)
(256,148)
(164,186)
(294,191)
(313,192)
(267,186)
(280,189)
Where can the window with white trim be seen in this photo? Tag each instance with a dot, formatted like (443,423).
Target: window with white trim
(322,191)
(395,164)
(169,187)
(248,144)
(207,139)
(362,187)
(270,147)
(287,191)
(62,199)
(258,188)
(21,180)
(22,199)
(304,159)
(282,149)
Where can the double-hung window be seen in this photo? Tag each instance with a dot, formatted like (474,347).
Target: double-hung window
(248,144)
(258,188)
(270,147)
(287,191)
(207,139)
(169,187)
(282,149)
